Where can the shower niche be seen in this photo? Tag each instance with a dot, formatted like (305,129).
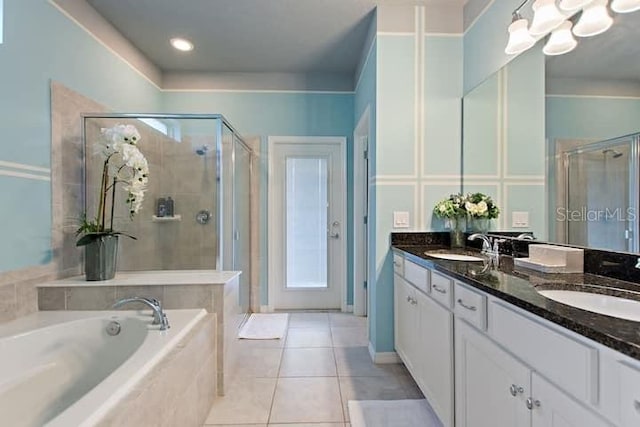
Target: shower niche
(203,165)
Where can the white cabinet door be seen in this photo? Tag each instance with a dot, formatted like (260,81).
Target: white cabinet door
(491,386)
(405,314)
(434,356)
(550,407)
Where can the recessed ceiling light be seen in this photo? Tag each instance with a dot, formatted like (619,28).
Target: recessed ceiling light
(181,44)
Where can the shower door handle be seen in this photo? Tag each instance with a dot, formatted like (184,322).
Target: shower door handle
(334,235)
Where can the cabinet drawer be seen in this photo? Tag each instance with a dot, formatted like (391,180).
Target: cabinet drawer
(398,264)
(572,364)
(441,289)
(416,275)
(629,396)
(470,305)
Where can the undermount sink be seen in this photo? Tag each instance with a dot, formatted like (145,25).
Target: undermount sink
(453,257)
(604,304)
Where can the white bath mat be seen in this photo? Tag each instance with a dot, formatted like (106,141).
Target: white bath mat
(396,413)
(265,326)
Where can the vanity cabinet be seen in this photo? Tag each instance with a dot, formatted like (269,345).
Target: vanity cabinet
(491,385)
(512,368)
(424,340)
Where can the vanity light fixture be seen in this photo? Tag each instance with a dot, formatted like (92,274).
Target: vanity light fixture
(547,17)
(595,19)
(572,5)
(561,40)
(519,37)
(625,6)
(181,44)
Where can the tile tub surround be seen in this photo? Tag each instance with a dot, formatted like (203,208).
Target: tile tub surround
(180,390)
(215,291)
(518,287)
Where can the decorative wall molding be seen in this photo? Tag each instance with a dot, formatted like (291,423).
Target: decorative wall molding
(23,170)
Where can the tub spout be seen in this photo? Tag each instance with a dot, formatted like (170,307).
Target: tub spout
(159,317)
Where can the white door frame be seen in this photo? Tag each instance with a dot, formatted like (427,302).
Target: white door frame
(360,144)
(273,210)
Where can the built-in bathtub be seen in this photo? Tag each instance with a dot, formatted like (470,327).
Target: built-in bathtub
(64,369)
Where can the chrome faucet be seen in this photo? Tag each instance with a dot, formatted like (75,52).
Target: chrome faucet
(486,242)
(526,236)
(159,317)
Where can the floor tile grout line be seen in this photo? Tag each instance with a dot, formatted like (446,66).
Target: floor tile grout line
(275,389)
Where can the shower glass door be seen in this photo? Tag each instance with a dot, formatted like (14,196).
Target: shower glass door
(602,195)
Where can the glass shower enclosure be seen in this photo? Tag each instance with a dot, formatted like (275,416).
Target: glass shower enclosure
(203,164)
(602,194)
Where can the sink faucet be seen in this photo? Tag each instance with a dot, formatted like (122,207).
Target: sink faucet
(526,236)
(486,242)
(159,317)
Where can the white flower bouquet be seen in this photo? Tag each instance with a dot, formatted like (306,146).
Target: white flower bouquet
(478,205)
(123,164)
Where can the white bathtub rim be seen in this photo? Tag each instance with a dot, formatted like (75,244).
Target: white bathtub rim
(97,403)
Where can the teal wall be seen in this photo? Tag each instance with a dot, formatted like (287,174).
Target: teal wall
(417,152)
(484,43)
(278,114)
(365,96)
(40,44)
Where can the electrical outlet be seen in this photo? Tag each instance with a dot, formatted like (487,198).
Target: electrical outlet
(400,219)
(520,219)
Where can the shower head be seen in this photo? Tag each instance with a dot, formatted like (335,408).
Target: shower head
(201,151)
(615,154)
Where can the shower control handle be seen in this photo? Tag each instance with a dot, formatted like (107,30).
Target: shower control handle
(203,217)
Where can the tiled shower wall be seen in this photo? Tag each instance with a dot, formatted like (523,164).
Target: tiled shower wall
(176,170)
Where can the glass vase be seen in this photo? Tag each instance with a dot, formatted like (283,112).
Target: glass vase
(479,225)
(456,233)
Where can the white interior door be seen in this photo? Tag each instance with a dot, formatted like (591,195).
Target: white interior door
(360,214)
(307,230)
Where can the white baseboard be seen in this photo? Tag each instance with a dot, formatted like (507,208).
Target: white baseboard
(349,309)
(383,358)
(264,309)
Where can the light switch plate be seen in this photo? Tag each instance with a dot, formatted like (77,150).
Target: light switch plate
(520,219)
(400,219)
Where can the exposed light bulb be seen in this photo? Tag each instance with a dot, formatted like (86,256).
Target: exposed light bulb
(625,6)
(519,37)
(561,40)
(571,5)
(546,17)
(181,44)
(595,19)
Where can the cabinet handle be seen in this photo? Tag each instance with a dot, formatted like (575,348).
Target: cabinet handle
(636,404)
(408,299)
(532,402)
(515,390)
(439,289)
(468,307)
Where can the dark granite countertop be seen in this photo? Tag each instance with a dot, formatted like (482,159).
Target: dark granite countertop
(519,287)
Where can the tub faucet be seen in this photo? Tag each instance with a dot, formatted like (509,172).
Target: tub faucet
(159,317)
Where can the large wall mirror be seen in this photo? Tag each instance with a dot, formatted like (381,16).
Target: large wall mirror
(555,140)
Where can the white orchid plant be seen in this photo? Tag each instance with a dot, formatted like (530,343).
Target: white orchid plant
(123,164)
(472,205)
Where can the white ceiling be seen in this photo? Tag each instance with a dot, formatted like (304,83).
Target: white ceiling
(293,36)
(613,55)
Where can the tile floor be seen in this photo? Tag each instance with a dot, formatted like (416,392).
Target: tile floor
(307,378)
